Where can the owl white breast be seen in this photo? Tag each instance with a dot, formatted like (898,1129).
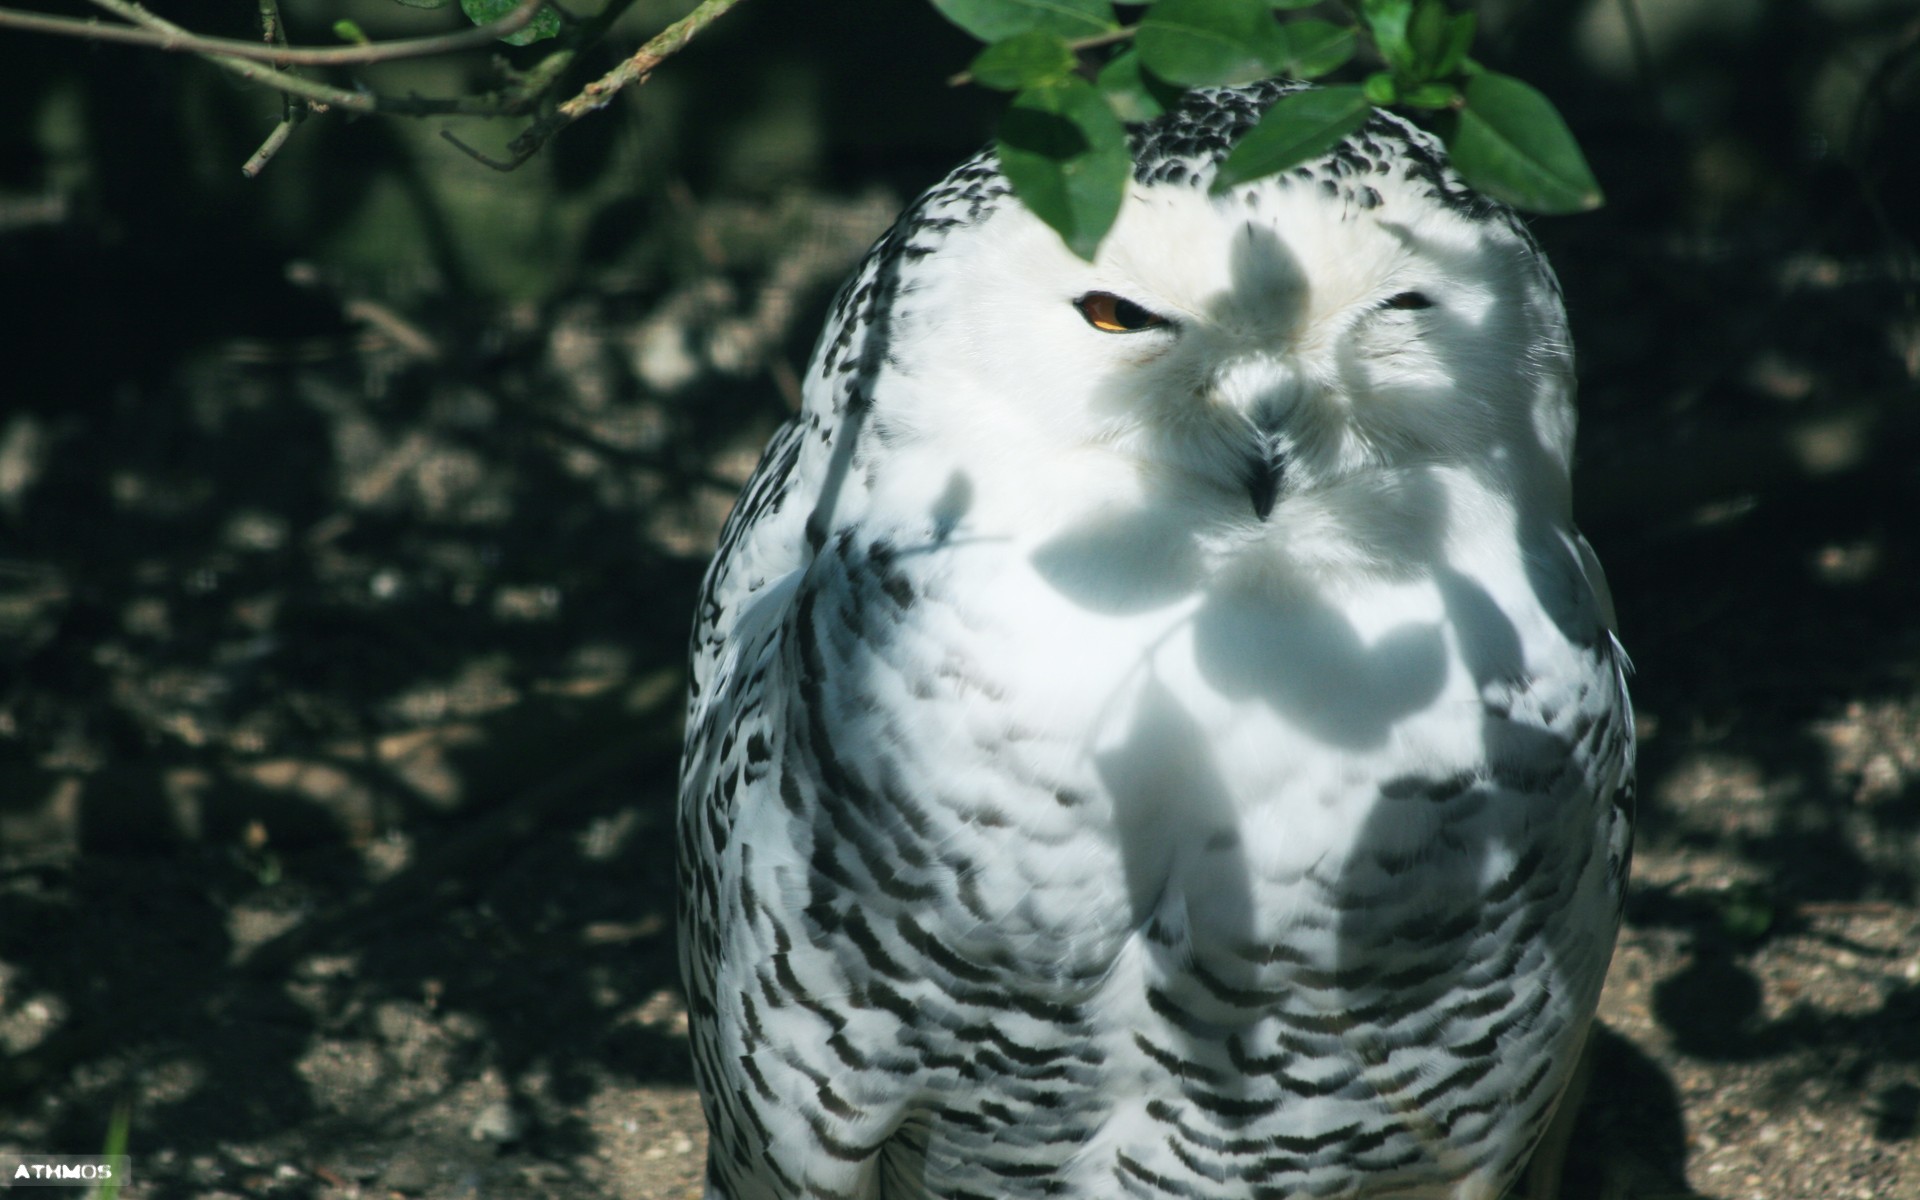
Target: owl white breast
(1155,730)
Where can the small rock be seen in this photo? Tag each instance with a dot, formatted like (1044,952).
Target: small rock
(497,1123)
(410,1173)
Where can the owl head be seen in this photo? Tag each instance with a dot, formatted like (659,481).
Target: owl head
(1353,326)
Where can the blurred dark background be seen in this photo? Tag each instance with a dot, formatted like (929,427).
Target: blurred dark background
(351,517)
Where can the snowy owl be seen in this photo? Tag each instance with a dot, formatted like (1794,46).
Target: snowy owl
(1155,730)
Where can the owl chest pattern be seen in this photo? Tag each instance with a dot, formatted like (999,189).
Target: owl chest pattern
(1017,871)
(1171,727)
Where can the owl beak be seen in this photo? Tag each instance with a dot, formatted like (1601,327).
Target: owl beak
(1263,477)
(1266,391)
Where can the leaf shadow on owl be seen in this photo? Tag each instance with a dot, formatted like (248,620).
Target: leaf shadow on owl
(1135,560)
(1288,658)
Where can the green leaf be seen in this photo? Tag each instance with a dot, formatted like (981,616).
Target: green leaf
(1453,55)
(545,23)
(1022,61)
(1381,89)
(1431,95)
(1065,153)
(1299,127)
(1313,48)
(1509,141)
(998,20)
(1437,43)
(1135,94)
(1427,32)
(1199,43)
(1387,20)
(350,31)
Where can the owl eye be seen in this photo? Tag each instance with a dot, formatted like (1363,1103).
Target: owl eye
(1408,300)
(1114,314)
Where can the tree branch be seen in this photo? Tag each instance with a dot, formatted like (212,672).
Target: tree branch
(273,32)
(278,138)
(262,63)
(145,29)
(598,94)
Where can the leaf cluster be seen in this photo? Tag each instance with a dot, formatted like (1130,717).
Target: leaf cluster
(1079,75)
(546,22)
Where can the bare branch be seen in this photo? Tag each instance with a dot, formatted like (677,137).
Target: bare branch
(641,63)
(272,31)
(278,138)
(487,160)
(263,63)
(253,72)
(159,33)
(163,35)
(598,94)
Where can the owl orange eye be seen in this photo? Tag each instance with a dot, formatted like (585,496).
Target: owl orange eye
(1113,314)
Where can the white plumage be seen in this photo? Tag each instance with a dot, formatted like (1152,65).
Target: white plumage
(1155,729)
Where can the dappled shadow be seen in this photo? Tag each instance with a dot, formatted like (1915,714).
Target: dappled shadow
(1318,921)
(344,625)
(1746,475)
(1630,1136)
(355,686)
(338,683)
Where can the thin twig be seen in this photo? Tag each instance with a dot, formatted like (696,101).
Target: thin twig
(318,95)
(640,64)
(540,78)
(278,138)
(174,38)
(1848,908)
(598,94)
(273,32)
(253,72)
(503,165)
(250,61)
(409,337)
